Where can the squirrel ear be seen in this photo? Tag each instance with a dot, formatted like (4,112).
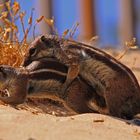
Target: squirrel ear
(46,41)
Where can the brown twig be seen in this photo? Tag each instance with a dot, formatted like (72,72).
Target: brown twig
(73,29)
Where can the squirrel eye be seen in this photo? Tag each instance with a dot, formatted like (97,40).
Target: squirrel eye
(32,51)
(43,38)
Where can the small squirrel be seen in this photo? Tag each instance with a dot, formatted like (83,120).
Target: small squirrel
(113,82)
(43,79)
(16,84)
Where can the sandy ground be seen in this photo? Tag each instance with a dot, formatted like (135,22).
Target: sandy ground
(23,125)
(30,122)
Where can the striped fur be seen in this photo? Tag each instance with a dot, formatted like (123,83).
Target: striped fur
(41,81)
(104,73)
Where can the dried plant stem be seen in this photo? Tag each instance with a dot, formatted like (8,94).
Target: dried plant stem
(28,29)
(22,23)
(122,54)
(73,29)
(34,30)
(54,30)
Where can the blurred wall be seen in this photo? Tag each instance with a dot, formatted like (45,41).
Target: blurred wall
(114,21)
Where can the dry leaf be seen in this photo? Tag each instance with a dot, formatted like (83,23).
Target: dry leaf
(15,7)
(8,5)
(131,44)
(39,19)
(65,32)
(13,26)
(7,22)
(4,14)
(50,22)
(1,6)
(30,20)
(22,14)
(1,29)
(8,30)
(94,38)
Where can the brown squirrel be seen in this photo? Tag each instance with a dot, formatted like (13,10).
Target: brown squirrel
(113,82)
(43,79)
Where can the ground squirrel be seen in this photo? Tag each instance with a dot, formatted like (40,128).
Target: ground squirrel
(112,81)
(43,79)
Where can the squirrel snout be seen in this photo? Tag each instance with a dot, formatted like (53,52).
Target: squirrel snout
(13,85)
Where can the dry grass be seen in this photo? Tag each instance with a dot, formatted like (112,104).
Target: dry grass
(12,51)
